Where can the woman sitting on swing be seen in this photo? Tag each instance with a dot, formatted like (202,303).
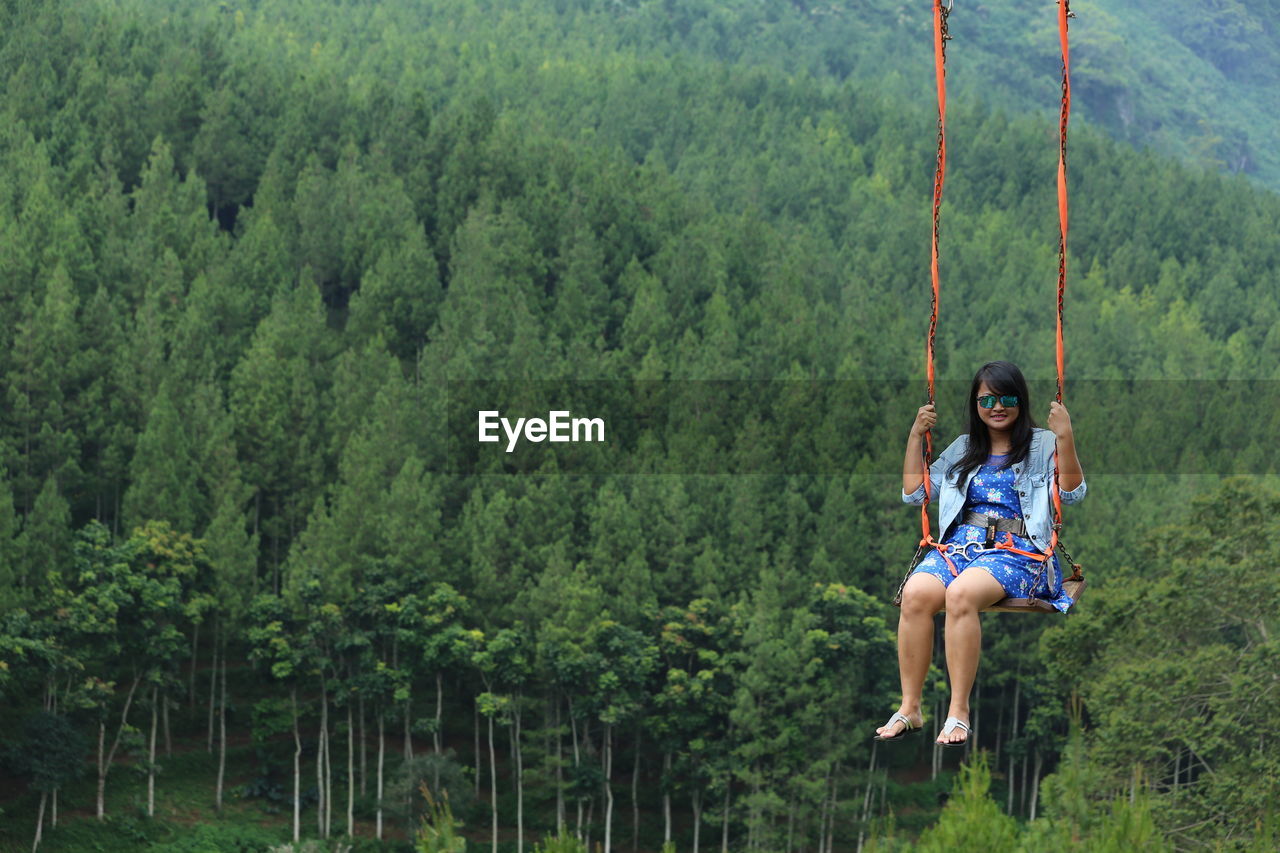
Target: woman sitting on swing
(995,522)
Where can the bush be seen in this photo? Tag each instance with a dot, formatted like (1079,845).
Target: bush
(214,838)
(311,845)
(971,820)
(561,844)
(440,832)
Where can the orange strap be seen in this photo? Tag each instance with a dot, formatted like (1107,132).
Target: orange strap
(1064,12)
(940,39)
(1008,545)
(927,541)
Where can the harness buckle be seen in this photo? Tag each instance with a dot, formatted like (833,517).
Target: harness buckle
(952,548)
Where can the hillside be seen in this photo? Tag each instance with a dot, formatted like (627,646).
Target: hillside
(1199,79)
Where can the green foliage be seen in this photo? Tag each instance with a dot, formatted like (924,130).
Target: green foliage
(232,838)
(312,845)
(971,820)
(440,831)
(559,844)
(12,591)
(1131,827)
(1148,681)
(49,753)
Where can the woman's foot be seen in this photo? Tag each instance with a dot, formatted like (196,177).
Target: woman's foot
(895,728)
(955,731)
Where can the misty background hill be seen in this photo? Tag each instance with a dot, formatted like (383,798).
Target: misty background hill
(1199,79)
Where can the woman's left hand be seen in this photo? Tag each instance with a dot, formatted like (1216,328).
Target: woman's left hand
(1059,420)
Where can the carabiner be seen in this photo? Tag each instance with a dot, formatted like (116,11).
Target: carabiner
(952,548)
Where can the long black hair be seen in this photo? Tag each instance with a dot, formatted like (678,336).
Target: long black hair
(1002,377)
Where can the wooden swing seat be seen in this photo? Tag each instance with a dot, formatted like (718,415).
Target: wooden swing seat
(1072,586)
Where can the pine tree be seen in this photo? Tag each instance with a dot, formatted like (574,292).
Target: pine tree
(971,820)
(163,471)
(45,542)
(15,589)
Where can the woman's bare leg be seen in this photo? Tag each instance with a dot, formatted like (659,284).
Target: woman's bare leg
(966,596)
(922,597)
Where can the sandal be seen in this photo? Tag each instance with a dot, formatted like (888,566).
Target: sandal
(951,725)
(909,728)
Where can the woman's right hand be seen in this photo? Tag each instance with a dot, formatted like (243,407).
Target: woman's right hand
(926,417)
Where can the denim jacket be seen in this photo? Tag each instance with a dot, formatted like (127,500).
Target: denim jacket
(1033,478)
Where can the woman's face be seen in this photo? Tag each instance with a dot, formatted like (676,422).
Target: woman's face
(999,418)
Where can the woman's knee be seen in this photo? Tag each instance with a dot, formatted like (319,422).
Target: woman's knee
(923,594)
(972,591)
(959,600)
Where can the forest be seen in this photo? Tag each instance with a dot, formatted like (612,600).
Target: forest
(260,587)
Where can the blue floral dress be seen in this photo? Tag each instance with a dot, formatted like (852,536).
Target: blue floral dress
(991,492)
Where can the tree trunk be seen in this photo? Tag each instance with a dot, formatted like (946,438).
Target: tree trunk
(213,684)
(164,720)
(724,818)
(408,737)
(382,748)
(493,784)
(995,756)
(102,777)
(222,736)
(297,769)
(1013,733)
(971,739)
(1035,785)
(935,761)
(39,822)
(831,812)
(475,718)
(53,817)
(635,802)
(519,781)
(438,735)
(608,787)
(577,763)
(363,752)
(191,679)
(1013,785)
(666,798)
(822,814)
(866,798)
(351,774)
(1022,800)
(151,753)
(697,817)
(884,787)
(104,761)
(559,772)
(328,780)
(511,759)
(320,757)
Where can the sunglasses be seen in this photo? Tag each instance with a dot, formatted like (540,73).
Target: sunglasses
(988,401)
